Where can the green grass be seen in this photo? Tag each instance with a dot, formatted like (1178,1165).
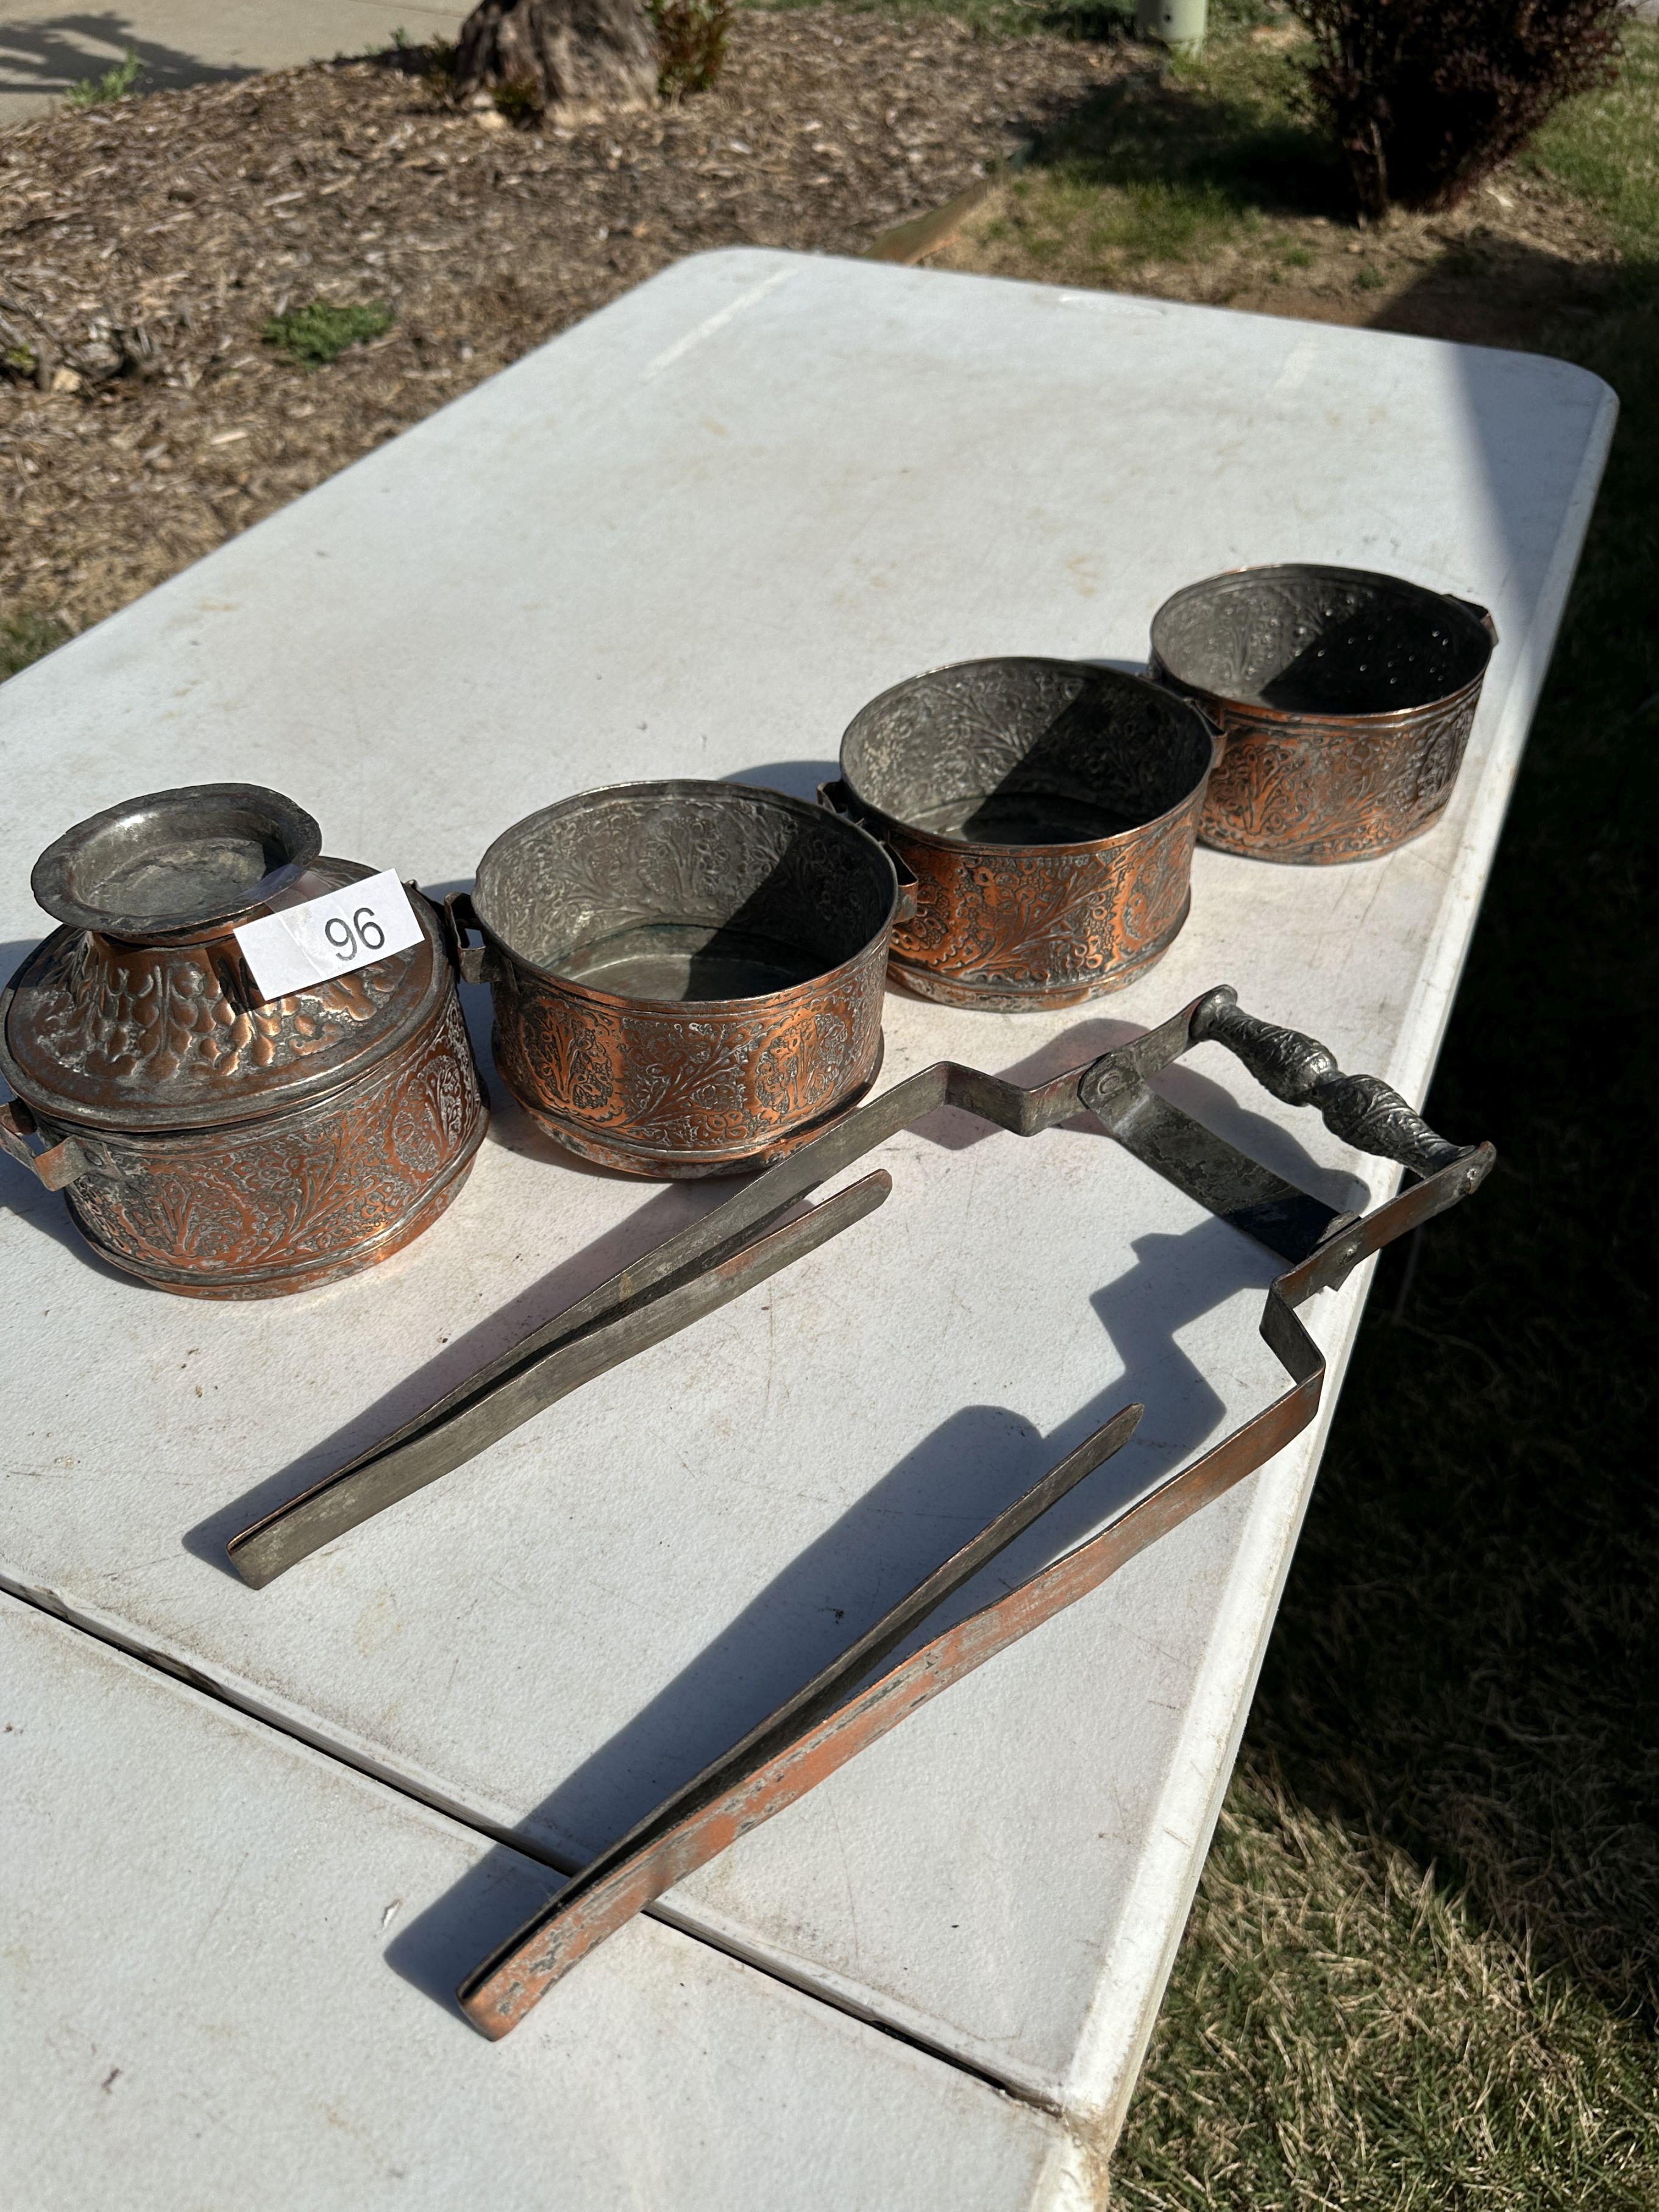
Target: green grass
(1606,148)
(321,332)
(114,84)
(1345,2032)
(1423,1970)
(1173,167)
(27,638)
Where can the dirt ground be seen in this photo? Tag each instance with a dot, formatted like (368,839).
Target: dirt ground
(1496,271)
(144,247)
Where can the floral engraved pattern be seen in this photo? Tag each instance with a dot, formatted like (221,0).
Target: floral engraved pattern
(306,1196)
(1345,700)
(558,1038)
(569,877)
(1318,791)
(1027,928)
(670,1086)
(98,1019)
(797,1073)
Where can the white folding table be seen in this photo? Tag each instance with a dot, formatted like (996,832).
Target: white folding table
(222,1981)
(691,537)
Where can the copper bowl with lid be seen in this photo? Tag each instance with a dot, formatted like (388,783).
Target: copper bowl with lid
(687,977)
(1047,811)
(211,1142)
(1343,699)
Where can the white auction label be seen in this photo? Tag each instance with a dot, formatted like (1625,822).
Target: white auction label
(352,927)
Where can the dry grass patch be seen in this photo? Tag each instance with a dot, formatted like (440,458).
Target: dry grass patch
(1348,2035)
(1201,181)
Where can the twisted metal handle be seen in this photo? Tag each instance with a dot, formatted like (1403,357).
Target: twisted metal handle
(1362,1109)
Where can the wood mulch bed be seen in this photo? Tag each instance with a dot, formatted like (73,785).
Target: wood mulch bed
(145,246)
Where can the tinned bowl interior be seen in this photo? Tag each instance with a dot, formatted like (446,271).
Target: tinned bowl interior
(1024,751)
(684,891)
(1320,641)
(176,862)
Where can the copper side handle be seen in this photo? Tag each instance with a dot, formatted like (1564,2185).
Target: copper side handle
(839,800)
(58,1166)
(474,964)
(1482,615)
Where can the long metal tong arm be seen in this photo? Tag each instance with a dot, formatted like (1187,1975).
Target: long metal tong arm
(688,1275)
(805,1739)
(819,1730)
(741,1792)
(637,1309)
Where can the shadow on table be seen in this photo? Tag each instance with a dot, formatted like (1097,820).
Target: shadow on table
(674,1206)
(801,779)
(1463,1665)
(969,1468)
(441,1946)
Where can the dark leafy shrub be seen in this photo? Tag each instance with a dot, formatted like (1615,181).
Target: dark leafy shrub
(691,37)
(1426,97)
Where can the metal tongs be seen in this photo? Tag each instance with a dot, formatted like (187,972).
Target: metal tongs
(748,1238)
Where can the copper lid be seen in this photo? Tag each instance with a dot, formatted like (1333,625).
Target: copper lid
(141,1014)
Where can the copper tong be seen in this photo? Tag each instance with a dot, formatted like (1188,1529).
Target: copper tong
(740,1243)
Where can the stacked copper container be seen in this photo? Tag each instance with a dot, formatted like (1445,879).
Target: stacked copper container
(687,977)
(210,1141)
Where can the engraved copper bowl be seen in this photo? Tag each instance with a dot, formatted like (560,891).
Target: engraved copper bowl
(1047,811)
(211,1142)
(1343,700)
(687,977)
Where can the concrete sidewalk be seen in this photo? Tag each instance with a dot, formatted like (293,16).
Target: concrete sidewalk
(44,51)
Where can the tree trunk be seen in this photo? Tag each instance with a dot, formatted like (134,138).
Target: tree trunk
(559,53)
